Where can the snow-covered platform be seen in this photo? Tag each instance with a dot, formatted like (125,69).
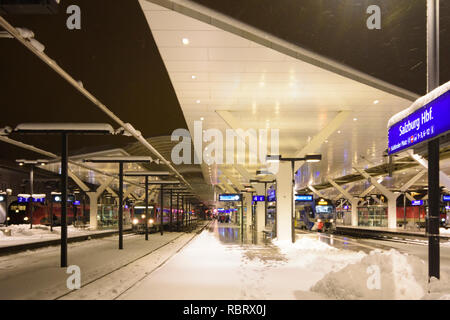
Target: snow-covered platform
(106,272)
(219,265)
(377,232)
(16,238)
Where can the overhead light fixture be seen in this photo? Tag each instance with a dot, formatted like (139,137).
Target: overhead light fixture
(355,119)
(313,157)
(376,102)
(201,118)
(185,41)
(197,101)
(194,77)
(262,172)
(273,158)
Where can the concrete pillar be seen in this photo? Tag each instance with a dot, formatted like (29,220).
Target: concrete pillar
(392,212)
(93,210)
(260,216)
(284,201)
(354,204)
(248,207)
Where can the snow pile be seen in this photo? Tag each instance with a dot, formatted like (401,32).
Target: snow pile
(439,288)
(303,263)
(379,275)
(22,231)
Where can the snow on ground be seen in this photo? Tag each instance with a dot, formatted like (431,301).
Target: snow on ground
(210,269)
(309,269)
(22,233)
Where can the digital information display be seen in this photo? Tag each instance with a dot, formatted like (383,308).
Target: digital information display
(423,124)
(417,203)
(259,198)
(446,197)
(230,197)
(303,197)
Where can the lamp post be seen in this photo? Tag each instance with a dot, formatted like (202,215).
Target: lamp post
(32,164)
(433,145)
(64,130)
(307,158)
(147,174)
(120,161)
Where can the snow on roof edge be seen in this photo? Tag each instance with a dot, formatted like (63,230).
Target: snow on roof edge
(419,103)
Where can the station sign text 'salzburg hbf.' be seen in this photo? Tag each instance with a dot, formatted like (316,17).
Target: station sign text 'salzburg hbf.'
(425,123)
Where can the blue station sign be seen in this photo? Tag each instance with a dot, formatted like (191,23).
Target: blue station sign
(303,197)
(446,197)
(429,121)
(417,203)
(259,198)
(230,197)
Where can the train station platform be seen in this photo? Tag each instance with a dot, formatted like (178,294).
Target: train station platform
(17,238)
(380,232)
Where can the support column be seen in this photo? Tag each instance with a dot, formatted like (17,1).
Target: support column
(248,213)
(64,182)
(392,212)
(260,216)
(284,202)
(353,201)
(93,210)
(120,217)
(93,203)
(391,196)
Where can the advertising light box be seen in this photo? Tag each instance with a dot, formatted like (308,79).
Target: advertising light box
(230,197)
(428,122)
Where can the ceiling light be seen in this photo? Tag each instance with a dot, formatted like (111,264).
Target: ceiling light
(273,158)
(339,131)
(185,41)
(376,102)
(197,101)
(354,119)
(201,118)
(312,157)
(261,84)
(194,77)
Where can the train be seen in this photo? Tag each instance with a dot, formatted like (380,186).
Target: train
(314,214)
(49,213)
(154,217)
(19,213)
